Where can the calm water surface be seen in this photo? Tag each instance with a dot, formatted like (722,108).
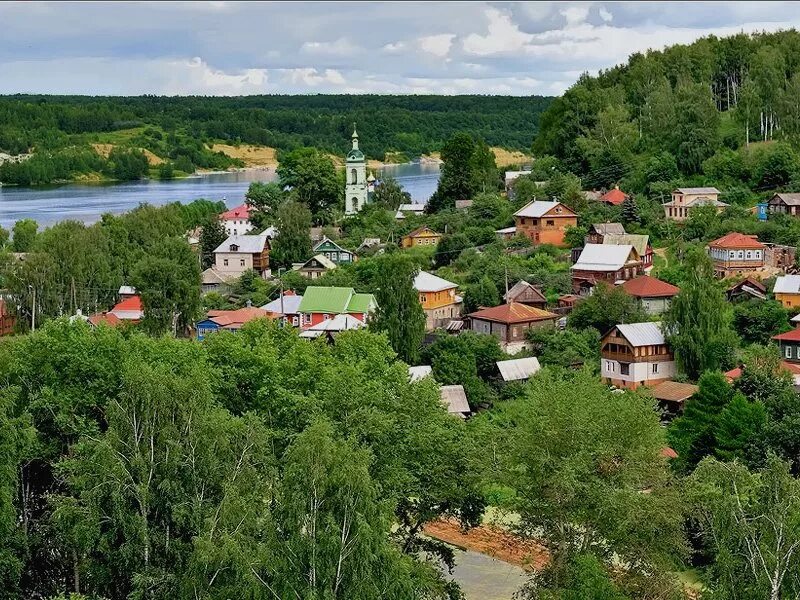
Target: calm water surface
(84,202)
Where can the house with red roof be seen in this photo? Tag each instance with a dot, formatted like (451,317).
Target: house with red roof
(228,320)
(653,294)
(614,197)
(128,310)
(789,346)
(736,254)
(510,322)
(236,220)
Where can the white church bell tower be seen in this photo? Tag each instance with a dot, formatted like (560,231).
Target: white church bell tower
(356,177)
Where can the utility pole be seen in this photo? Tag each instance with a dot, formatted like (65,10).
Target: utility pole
(506,270)
(280,281)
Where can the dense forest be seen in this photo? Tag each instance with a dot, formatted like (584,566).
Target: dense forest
(60,128)
(721,111)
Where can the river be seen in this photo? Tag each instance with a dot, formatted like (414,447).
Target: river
(86,202)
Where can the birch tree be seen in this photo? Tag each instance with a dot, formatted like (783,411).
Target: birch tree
(750,521)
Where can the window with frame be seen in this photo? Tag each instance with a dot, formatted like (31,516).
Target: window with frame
(624,368)
(550,223)
(787,351)
(655,367)
(225,262)
(241,262)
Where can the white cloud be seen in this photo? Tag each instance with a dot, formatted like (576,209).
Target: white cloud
(575,15)
(339,47)
(503,36)
(605,14)
(438,45)
(394,47)
(311,77)
(193,76)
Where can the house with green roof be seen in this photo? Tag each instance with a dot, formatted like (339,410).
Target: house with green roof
(334,252)
(322,303)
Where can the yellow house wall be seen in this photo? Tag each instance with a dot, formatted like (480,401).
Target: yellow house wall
(431,300)
(788,300)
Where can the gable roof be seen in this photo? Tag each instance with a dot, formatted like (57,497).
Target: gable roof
(428,282)
(697,190)
(614,196)
(736,240)
(213,277)
(639,241)
(291,303)
(787,284)
(645,286)
(248,244)
(789,336)
(327,240)
(420,231)
(540,208)
(239,212)
(109,319)
(234,319)
(513,312)
(517,369)
(603,257)
(522,287)
(321,259)
(455,399)
(335,300)
(412,208)
(788,199)
(341,322)
(642,334)
(607,228)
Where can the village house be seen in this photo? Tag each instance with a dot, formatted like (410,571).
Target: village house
(598,232)
(685,199)
(129,310)
(406,209)
(735,254)
(784,204)
(315,267)
(653,294)
(228,320)
(286,308)
(506,234)
(614,197)
(545,222)
(334,252)
(672,395)
(787,291)
(636,354)
(212,280)
(526,293)
(236,221)
(317,234)
(322,303)
(240,253)
(438,299)
(422,236)
(510,323)
(639,241)
(604,263)
(518,369)
(746,289)
(332,327)
(789,346)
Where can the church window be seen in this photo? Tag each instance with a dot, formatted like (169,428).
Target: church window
(354,175)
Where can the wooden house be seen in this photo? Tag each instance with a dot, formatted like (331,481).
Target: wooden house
(510,322)
(334,252)
(736,254)
(526,293)
(598,231)
(315,267)
(636,354)
(746,289)
(787,291)
(438,298)
(322,303)
(639,241)
(784,204)
(544,222)
(653,294)
(605,263)
(228,320)
(240,253)
(422,236)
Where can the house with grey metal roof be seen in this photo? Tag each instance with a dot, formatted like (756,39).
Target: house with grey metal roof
(240,253)
(636,354)
(455,399)
(518,369)
(605,263)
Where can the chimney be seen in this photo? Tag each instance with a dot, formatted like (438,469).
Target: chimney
(249,303)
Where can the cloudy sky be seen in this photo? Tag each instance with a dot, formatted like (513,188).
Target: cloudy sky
(225,48)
